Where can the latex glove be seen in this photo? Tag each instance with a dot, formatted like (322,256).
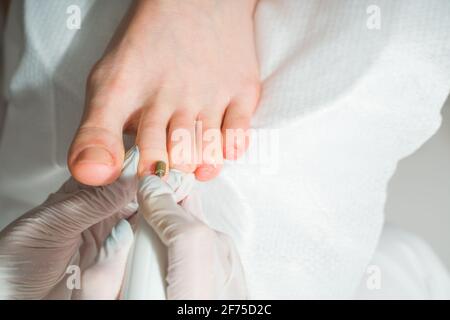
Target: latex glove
(202,263)
(76,226)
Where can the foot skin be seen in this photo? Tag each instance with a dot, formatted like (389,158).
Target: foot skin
(173,66)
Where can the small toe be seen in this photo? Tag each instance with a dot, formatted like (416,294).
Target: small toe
(210,146)
(181,142)
(236,124)
(151,139)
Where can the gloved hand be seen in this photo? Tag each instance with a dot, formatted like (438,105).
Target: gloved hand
(76,227)
(203,263)
(87,228)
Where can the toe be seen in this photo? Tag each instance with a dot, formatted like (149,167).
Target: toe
(210,147)
(96,154)
(151,138)
(236,123)
(181,141)
(205,172)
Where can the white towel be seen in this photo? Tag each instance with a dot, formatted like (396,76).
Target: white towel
(346,102)
(404,267)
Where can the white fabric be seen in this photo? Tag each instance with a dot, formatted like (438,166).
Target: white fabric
(404,267)
(347,103)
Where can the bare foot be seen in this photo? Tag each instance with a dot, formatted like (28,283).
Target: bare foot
(173,63)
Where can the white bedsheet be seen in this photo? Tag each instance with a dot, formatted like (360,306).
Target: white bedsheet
(346,103)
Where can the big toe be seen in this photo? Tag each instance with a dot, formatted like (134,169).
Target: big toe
(96,156)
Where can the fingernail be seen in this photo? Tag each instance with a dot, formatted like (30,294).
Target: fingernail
(95,154)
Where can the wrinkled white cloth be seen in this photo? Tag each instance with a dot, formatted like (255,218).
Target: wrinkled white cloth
(404,267)
(345,101)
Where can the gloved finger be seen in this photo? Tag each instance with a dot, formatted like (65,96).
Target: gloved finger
(191,244)
(67,215)
(203,263)
(181,183)
(71,186)
(193,205)
(234,283)
(94,237)
(103,280)
(159,207)
(194,270)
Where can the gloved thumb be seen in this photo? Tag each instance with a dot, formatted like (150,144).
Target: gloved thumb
(70,213)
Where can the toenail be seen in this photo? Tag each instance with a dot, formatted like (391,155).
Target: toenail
(95,155)
(207,169)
